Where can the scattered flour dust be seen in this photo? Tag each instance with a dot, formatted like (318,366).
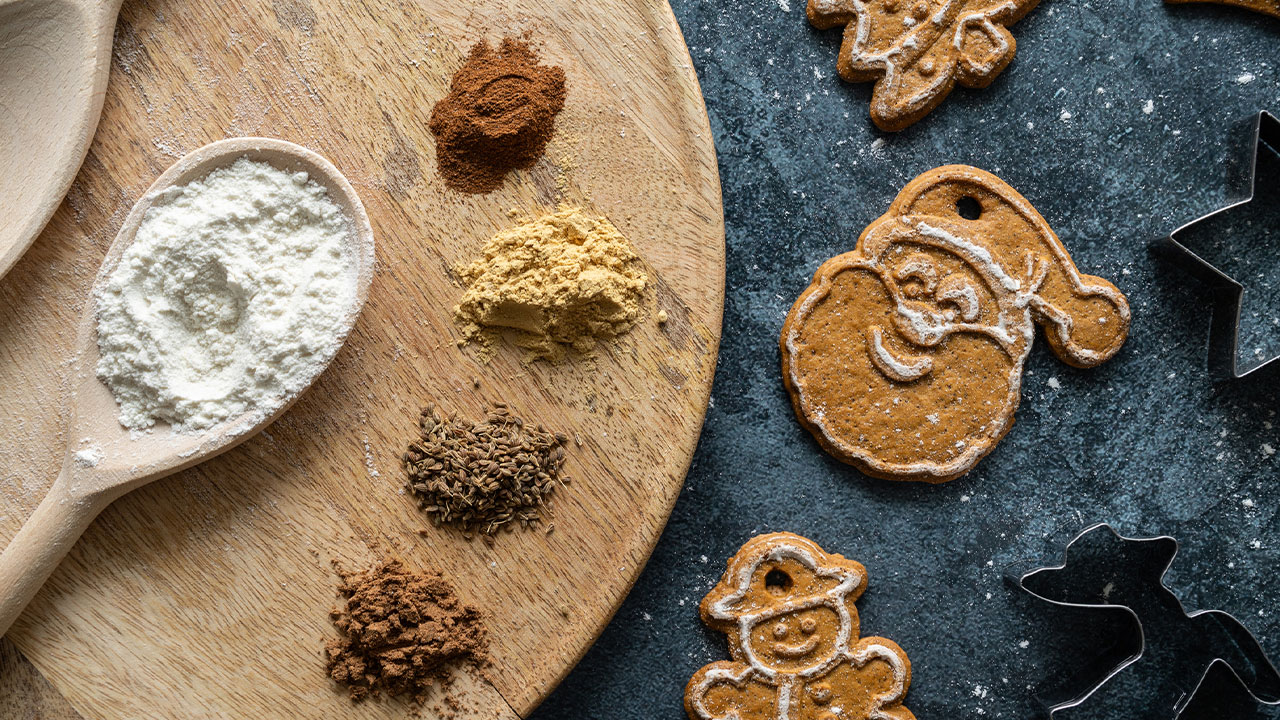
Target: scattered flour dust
(227,301)
(89,457)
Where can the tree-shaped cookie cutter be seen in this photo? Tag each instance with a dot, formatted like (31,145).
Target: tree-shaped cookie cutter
(1259,679)
(1228,293)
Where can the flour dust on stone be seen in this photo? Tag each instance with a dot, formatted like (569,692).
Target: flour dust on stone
(229,299)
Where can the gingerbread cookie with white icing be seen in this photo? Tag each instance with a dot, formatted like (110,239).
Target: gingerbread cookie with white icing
(917,50)
(1269,7)
(788,609)
(904,357)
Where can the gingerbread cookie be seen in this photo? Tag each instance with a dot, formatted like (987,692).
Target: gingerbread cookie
(916,50)
(904,357)
(788,609)
(1270,7)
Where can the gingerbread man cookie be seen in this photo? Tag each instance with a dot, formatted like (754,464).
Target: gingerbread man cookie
(788,609)
(1270,7)
(904,357)
(916,50)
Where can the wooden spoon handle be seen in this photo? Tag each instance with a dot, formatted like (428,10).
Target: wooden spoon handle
(41,543)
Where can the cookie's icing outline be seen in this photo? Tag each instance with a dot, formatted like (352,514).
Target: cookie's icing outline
(915,42)
(851,579)
(975,448)
(880,235)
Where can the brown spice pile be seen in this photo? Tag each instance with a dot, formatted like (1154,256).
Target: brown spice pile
(498,116)
(560,281)
(403,633)
(486,475)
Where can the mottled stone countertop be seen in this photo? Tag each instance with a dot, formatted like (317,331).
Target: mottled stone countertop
(1119,120)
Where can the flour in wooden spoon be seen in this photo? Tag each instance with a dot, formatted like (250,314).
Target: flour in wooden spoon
(230,298)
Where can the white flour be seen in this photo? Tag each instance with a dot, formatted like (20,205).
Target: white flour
(89,457)
(229,299)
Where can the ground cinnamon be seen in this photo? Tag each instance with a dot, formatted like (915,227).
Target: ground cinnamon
(498,116)
(403,632)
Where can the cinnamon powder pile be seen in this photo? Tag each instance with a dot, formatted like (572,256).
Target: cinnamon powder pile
(403,632)
(498,116)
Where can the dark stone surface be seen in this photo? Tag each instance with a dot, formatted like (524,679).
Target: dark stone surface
(1119,120)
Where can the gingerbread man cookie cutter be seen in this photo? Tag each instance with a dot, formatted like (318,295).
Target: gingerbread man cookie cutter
(1133,578)
(904,357)
(917,50)
(788,610)
(1228,293)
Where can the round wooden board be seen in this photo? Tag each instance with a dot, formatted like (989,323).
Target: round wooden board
(206,594)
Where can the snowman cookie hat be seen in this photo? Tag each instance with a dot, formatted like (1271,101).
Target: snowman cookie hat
(778,573)
(1086,318)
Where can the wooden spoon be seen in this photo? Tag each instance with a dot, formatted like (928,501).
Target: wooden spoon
(55,56)
(129,461)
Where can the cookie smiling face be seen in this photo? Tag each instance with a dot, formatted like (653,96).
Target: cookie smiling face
(904,357)
(794,641)
(788,609)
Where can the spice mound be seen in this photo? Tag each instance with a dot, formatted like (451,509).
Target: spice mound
(498,116)
(560,281)
(403,633)
(484,476)
(227,299)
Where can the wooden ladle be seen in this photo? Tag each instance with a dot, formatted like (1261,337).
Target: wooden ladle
(128,460)
(55,56)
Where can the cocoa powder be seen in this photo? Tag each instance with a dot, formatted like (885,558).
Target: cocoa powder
(498,116)
(403,633)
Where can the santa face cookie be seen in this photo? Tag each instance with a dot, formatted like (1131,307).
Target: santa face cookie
(917,50)
(904,357)
(788,610)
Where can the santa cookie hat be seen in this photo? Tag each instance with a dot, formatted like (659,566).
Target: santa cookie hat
(1086,318)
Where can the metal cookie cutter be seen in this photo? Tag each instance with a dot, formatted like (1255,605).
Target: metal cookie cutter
(1130,582)
(1224,329)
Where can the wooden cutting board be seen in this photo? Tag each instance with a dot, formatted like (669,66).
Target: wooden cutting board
(206,594)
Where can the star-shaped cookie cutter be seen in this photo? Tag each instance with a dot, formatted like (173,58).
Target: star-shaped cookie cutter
(1224,327)
(1261,681)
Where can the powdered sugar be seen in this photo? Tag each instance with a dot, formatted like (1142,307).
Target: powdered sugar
(229,299)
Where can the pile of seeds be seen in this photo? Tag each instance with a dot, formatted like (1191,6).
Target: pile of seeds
(484,476)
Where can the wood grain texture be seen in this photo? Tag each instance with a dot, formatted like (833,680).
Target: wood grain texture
(128,459)
(25,694)
(54,57)
(206,594)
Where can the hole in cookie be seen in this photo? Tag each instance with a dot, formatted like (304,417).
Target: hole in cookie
(777,582)
(969,208)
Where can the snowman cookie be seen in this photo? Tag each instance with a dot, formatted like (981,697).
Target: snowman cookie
(904,357)
(917,50)
(788,609)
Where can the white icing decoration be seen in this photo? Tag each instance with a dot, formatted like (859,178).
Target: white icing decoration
(964,297)
(877,651)
(974,253)
(1013,326)
(920,268)
(831,7)
(892,367)
(787,684)
(914,42)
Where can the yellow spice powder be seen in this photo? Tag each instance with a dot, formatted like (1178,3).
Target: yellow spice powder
(563,280)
